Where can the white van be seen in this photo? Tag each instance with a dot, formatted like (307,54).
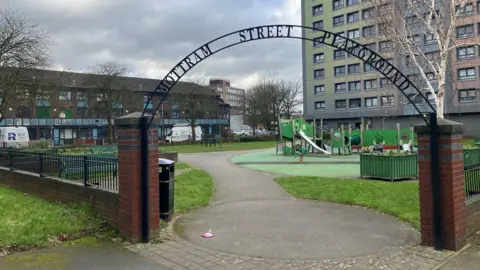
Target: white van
(15,137)
(180,133)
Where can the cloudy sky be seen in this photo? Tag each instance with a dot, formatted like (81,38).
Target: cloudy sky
(151,36)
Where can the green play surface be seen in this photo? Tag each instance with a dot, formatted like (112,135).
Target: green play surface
(326,170)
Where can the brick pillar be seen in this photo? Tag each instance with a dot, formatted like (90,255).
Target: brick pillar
(129,172)
(453,211)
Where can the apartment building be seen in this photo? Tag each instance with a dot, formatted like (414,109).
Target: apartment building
(342,89)
(235,97)
(69,108)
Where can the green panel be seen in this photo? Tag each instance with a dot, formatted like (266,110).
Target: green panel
(43,112)
(286,128)
(388,136)
(68,113)
(301,124)
(471,156)
(388,167)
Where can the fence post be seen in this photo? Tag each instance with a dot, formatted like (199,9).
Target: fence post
(451,226)
(85,170)
(10,159)
(40,161)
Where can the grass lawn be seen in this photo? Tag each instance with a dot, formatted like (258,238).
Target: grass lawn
(193,189)
(27,221)
(195,148)
(398,199)
(181,166)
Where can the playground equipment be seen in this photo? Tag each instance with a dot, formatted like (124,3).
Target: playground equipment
(290,130)
(343,141)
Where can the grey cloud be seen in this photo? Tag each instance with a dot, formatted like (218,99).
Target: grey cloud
(162,32)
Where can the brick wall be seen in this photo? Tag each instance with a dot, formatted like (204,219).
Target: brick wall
(473,216)
(105,203)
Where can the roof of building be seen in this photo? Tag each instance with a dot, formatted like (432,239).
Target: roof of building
(87,80)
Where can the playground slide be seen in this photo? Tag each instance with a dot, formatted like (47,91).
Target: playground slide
(312,143)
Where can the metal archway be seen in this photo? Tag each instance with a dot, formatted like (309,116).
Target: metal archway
(384,67)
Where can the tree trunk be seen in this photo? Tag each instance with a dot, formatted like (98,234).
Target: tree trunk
(439,101)
(110,128)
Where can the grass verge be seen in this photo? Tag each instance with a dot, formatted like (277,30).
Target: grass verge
(398,199)
(197,148)
(181,166)
(27,221)
(193,189)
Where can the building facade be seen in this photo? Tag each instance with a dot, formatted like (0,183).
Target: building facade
(70,109)
(342,89)
(235,97)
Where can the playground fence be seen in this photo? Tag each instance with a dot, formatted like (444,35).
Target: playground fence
(472,173)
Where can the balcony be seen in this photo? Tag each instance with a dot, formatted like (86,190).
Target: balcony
(34,122)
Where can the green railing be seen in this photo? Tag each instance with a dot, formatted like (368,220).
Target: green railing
(472,173)
(392,167)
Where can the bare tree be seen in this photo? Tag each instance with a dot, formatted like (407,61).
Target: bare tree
(193,100)
(23,47)
(404,24)
(109,87)
(272,97)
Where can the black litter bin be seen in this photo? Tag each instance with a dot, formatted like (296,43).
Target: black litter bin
(166,178)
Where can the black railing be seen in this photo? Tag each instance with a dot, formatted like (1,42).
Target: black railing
(90,170)
(472,180)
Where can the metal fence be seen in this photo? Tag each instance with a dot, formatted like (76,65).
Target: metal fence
(472,173)
(90,170)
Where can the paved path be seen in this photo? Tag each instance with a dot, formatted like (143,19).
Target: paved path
(98,256)
(259,226)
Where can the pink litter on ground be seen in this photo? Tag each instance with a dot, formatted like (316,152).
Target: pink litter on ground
(208,235)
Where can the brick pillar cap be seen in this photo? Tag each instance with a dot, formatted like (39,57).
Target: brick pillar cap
(445,126)
(133,119)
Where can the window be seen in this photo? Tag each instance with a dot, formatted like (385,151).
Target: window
(318,57)
(429,38)
(341,104)
(338,54)
(317,10)
(431,76)
(430,97)
(370,84)
(467,95)
(467,10)
(353,17)
(65,95)
(369,31)
(337,4)
(339,71)
(387,101)
(416,98)
(340,87)
(320,106)
(367,67)
(433,56)
(386,46)
(410,61)
(354,103)
(352,2)
(318,25)
(465,74)
(354,34)
(478,6)
(354,69)
(338,39)
(371,102)
(318,42)
(411,20)
(82,96)
(354,86)
(384,82)
(368,13)
(465,52)
(382,29)
(465,31)
(319,73)
(416,39)
(338,20)
(319,89)
(371,46)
